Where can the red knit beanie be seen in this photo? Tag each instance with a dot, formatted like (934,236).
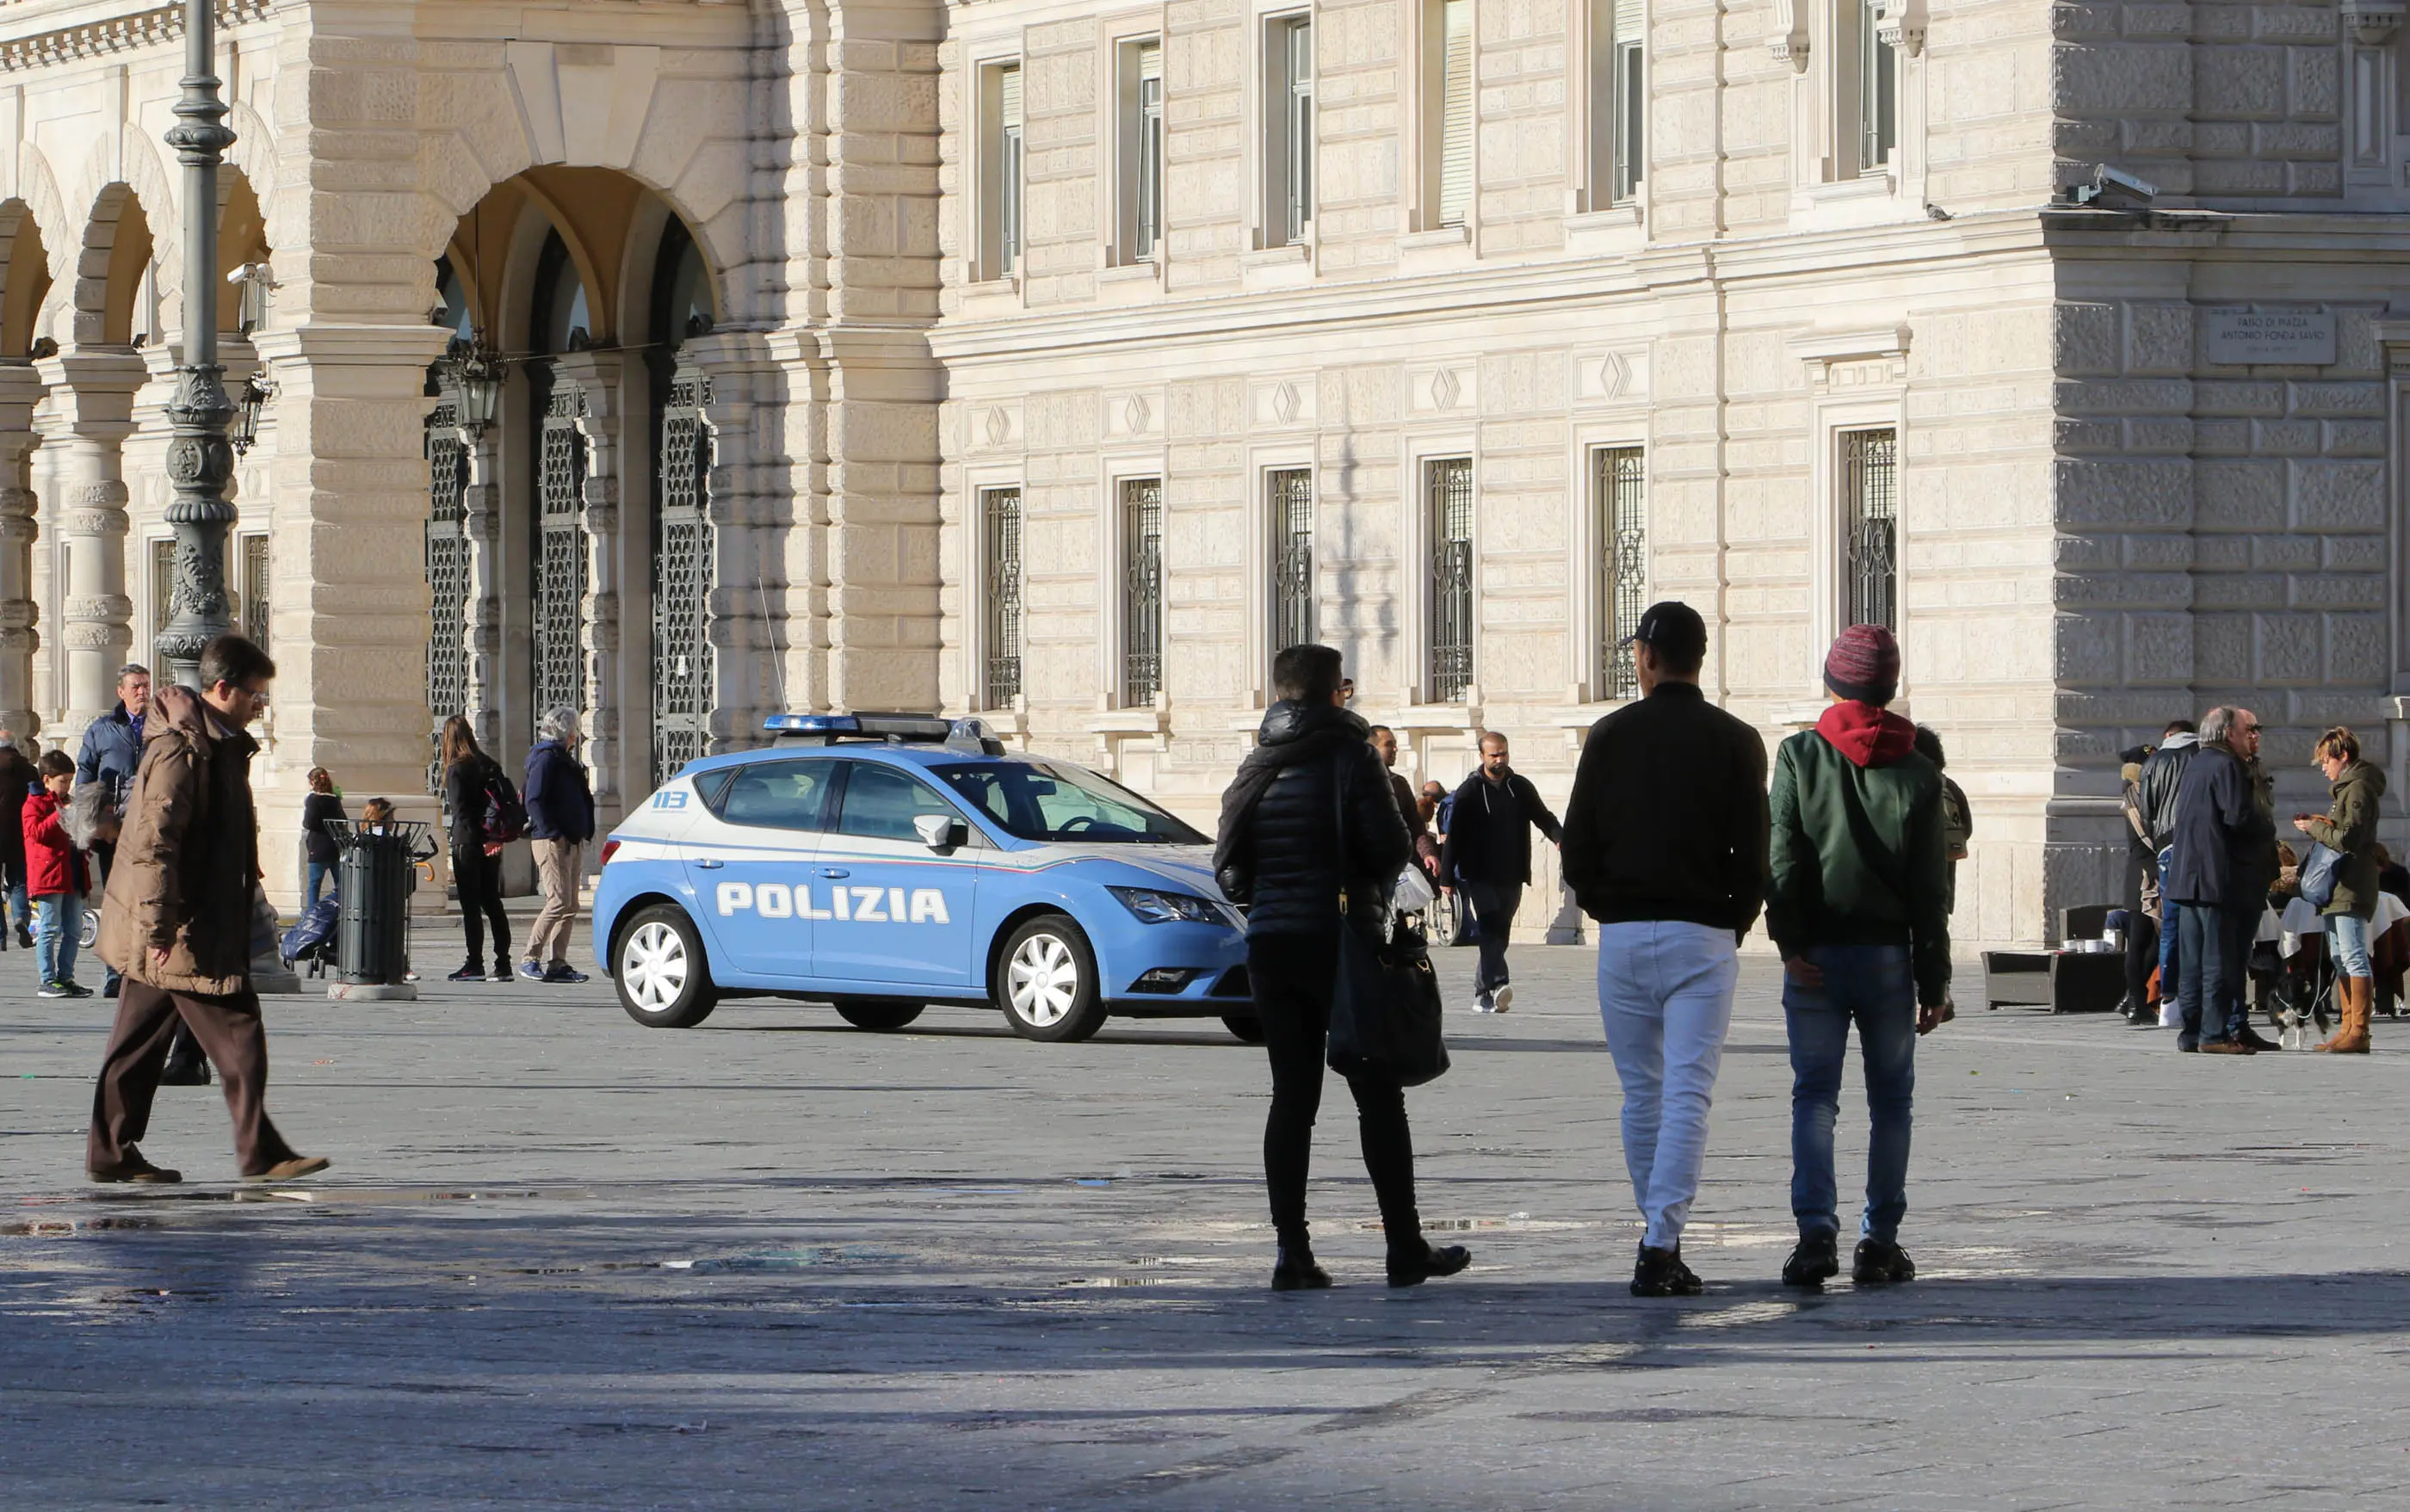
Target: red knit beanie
(1863,665)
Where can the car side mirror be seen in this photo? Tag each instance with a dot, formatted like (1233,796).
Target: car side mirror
(940,832)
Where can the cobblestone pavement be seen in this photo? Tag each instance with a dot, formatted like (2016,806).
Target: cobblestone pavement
(566,1262)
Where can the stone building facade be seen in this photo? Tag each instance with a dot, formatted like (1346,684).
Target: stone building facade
(1058,361)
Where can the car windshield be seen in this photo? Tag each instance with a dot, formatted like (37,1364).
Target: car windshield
(1043,801)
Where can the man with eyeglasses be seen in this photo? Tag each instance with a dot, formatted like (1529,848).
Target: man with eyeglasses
(2223,839)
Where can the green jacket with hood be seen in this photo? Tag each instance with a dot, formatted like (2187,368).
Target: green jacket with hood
(2350,827)
(1858,856)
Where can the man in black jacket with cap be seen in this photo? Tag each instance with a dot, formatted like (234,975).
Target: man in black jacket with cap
(1488,854)
(1665,846)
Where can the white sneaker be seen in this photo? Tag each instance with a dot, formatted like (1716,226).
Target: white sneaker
(1481,1003)
(1503,998)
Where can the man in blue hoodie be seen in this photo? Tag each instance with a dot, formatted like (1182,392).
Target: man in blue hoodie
(1857,905)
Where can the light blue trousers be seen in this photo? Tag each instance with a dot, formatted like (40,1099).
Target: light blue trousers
(1665,995)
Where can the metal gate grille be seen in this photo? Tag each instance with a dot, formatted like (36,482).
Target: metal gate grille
(447,574)
(559,661)
(1141,591)
(255,590)
(1869,482)
(682,581)
(1450,487)
(1292,553)
(1001,512)
(1623,564)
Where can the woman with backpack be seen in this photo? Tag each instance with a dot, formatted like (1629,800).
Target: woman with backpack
(472,782)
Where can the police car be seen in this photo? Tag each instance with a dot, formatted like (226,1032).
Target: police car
(884,861)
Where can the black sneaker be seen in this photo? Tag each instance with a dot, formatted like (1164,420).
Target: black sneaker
(562,971)
(1662,1273)
(1815,1260)
(503,972)
(471,972)
(1879,1262)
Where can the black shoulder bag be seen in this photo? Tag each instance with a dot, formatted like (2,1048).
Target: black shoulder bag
(1385,1007)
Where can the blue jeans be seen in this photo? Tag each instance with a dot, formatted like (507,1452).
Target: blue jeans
(2211,958)
(58,928)
(1665,995)
(2169,909)
(318,872)
(1872,985)
(2348,942)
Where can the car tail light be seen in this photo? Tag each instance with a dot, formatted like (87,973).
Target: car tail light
(610,848)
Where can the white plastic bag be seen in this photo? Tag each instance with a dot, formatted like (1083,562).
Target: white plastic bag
(1413,893)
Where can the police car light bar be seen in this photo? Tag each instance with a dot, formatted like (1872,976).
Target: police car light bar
(816,729)
(811,724)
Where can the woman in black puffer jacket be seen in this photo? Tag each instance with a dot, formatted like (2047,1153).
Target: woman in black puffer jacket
(1281,851)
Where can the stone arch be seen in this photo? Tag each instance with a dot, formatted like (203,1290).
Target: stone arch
(91,299)
(638,267)
(24,277)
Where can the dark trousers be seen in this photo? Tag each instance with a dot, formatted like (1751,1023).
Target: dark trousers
(1494,905)
(228,1029)
(1292,977)
(2141,955)
(479,878)
(2211,947)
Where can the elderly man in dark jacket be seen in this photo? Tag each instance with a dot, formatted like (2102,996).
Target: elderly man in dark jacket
(178,921)
(2222,833)
(1488,854)
(1310,841)
(560,819)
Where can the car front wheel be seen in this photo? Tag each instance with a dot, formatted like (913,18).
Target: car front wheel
(1046,982)
(663,979)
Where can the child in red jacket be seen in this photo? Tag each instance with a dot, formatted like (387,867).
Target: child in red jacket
(54,877)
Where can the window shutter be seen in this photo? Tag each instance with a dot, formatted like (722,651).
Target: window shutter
(1149,61)
(1455,112)
(1628,22)
(1009,97)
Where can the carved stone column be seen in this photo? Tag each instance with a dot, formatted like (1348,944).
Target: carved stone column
(92,391)
(601,377)
(481,525)
(20,389)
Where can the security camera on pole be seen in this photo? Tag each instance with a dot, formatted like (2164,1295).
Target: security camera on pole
(200,458)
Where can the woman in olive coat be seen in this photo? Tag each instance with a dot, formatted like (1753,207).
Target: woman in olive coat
(2349,826)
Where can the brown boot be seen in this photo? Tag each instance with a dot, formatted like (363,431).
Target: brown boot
(2358,994)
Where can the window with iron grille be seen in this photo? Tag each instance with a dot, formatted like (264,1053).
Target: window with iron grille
(1288,55)
(1870,527)
(1142,590)
(447,574)
(1620,486)
(683,574)
(559,657)
(1290,493)
(1448,486)
(1000,516)
(255,590)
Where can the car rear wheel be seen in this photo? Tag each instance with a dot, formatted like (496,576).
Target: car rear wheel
(1046,982)
(1251,1029)
(663,977)
(873,1013)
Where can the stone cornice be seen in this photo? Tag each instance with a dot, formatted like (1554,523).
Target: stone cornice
(151,26)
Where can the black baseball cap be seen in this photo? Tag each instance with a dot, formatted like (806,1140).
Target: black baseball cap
(1673,628)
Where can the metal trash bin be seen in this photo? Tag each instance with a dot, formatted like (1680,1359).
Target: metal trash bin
(374,875)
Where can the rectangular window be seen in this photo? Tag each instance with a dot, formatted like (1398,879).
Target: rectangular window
(1142,590)
(1631,113)
(1289,146)
(1291,496)
(1141,150)
(1000,540)
(254,592)
(1449,98)
(1878,89)
(1870,527)
(1000,165)
(1448,486)
(1620,485)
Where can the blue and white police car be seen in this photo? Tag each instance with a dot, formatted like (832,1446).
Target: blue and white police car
(884,861)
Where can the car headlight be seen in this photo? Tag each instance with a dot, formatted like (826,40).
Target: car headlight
(1155,908)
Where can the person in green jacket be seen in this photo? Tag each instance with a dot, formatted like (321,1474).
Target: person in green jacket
(2350,827)
(1858,904)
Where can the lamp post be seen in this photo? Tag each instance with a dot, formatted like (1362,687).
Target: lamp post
(200,458)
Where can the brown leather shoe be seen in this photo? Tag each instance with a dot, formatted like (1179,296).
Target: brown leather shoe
(136,1170)
(300,1165)
(2225,1047)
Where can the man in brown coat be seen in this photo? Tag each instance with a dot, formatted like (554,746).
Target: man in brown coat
(177,925)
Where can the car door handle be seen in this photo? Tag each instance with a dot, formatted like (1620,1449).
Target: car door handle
(835,871)
(711,865)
